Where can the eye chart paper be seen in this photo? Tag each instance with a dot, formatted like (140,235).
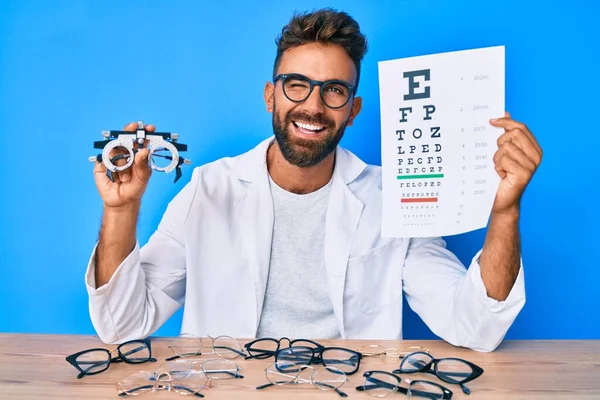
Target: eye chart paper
(437,142)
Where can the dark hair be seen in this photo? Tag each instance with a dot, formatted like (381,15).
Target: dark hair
(323,26)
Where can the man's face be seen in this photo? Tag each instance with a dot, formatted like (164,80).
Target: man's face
(309,131)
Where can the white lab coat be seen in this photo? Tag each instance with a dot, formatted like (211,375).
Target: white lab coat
(212,247)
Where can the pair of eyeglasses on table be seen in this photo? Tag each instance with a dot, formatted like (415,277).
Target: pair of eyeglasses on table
(181,376)
(288,373)
(190,345)
(94,361)
(450,370)
(305,352)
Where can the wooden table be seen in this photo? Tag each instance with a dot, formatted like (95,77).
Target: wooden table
(34,366)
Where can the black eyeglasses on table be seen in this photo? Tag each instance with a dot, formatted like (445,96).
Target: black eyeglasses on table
(94,361)
(305,352)
(450,370)
(382,383)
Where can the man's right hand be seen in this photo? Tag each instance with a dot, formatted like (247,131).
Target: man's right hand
(129,185)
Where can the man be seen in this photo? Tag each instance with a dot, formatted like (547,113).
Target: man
(285,239)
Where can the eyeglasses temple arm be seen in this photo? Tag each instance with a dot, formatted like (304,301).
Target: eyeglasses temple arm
(266,385)
(183,355)
(337,390)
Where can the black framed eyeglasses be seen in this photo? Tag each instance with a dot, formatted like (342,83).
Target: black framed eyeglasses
(335,93)
(305,352)
(450,370)
(264,348)
(94,361)
(382,383)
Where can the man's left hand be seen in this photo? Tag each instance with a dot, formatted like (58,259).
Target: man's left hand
(516,160)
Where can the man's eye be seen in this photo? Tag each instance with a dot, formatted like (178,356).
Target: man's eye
(297,84)
(336,90)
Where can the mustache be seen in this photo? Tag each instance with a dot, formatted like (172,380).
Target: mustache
(310,119)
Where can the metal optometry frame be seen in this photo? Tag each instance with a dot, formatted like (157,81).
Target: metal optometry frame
(156,142)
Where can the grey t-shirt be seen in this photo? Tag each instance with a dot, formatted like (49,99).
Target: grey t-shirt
(297,303)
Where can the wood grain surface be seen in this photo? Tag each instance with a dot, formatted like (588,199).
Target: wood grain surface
(34,367)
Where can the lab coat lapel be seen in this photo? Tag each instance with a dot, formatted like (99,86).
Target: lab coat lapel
(254,214)
(341,221)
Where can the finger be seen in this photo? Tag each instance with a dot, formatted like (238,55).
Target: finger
(511,150)
(132,126)
(119,156)
(506,114)
(141,157)
(498,162)
(125,175)
(513,167)
(498,167)
(510,124)
(507,123)
(150,128)
(501,173)
(99,167)
(101,177)
(517,137)
(141,168)
(524,140)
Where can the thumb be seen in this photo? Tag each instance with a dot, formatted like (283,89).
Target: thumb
(142,169)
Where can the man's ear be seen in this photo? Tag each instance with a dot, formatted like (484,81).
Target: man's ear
(269,96)
(356,107)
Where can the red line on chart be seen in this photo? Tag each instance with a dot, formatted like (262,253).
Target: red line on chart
(420,200)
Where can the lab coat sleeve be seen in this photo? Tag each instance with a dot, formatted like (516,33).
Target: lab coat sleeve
(149,285)
(453,301)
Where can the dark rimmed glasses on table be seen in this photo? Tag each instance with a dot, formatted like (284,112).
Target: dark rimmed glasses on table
(94,361)
(305,352)
(450,370)
(382,383)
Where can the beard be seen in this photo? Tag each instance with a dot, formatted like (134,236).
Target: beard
(306,152)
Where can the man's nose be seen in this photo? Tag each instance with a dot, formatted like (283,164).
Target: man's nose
(314,104)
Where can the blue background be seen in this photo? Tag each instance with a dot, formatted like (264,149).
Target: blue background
(70,69)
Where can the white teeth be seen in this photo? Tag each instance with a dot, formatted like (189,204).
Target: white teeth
(309,126)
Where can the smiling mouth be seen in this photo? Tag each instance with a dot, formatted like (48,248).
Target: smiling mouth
(308,129)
